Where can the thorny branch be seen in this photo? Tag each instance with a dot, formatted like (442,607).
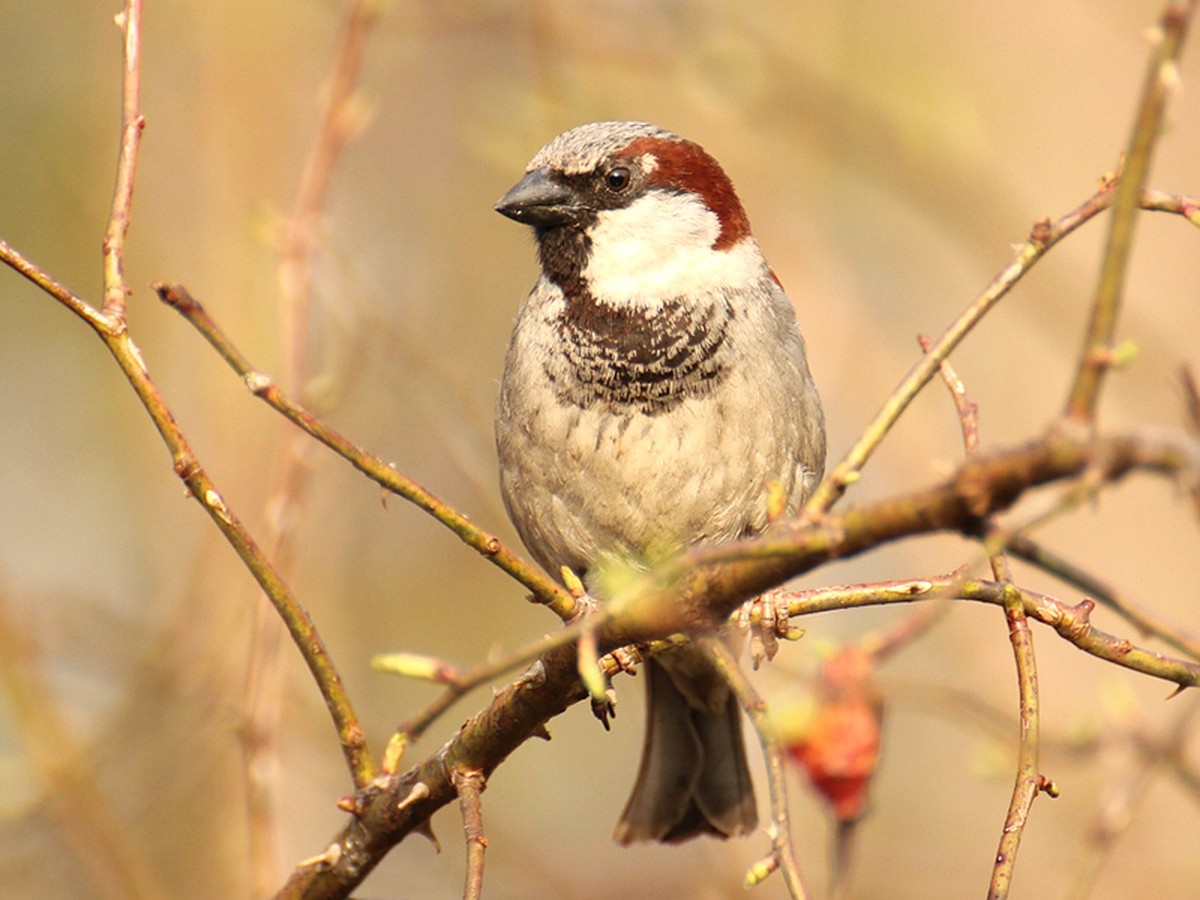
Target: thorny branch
(1028,780)
(707,583)
(1147,622)
(1072,623)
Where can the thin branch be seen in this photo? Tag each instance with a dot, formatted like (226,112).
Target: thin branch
(470,785)
(544,590)
(708,583)
(1146,621)
(303,632)
(1073,624)
(1180,205)
(1162,81)
(1028,780)
(187,466)
(132,123)
(783,855)
(968,411)
(101,323)
(342,119)
(109,324)
(460,683)
(1070,622)
(1042,237)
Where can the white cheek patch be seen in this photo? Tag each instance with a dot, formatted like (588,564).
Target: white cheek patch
(660,247)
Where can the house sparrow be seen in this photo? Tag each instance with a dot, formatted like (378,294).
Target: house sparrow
(655,392)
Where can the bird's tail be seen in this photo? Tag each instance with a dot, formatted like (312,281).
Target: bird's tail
(693,777)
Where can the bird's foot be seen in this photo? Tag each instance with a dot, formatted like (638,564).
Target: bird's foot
(766,618)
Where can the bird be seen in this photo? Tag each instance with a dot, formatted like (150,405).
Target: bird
(655,394)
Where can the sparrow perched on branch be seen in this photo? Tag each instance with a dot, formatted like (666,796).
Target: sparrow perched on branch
(655,394)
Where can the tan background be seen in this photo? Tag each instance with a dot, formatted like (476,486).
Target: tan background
(888,155)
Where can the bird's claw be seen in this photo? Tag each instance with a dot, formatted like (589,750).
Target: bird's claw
(626,659)
(766,618)
(606,708)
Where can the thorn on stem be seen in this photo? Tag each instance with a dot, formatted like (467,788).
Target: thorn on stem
(328,857)
(425,829)
(419,792)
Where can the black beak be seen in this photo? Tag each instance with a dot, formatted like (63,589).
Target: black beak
(539,201)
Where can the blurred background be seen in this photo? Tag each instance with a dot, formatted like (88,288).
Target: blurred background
(888,155)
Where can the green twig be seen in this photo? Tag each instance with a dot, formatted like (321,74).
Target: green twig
(382,473)
(113,333)
(467,680)
(1161,81)
(1043,236)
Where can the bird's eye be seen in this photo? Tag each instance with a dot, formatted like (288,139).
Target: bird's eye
(617,179)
